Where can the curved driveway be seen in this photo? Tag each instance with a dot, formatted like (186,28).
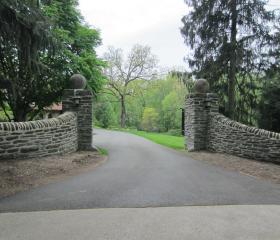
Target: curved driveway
(140,173)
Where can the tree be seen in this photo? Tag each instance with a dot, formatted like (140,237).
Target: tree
(230,40)
(171,111)
(150,119)
(103,112)
(77,51)
(41,46)
(24,37)
(269,107)
(185,78)
(165,95)
(140,64)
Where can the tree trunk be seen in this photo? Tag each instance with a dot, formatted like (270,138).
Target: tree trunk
(123,112)
(232,70)
(20,114)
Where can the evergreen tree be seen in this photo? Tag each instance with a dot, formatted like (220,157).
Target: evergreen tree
(24,36)
(269,107)
(41,46)
(230,41)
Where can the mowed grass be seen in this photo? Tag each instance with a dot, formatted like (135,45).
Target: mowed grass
(174,142)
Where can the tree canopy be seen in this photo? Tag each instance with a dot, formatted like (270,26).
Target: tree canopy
(41,45)
(140,64)
(231,42)
(155,105)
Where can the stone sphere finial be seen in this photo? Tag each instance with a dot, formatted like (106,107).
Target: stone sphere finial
(201,86)
(78,81)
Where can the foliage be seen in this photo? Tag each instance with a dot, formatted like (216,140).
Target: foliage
(4,117)
(231,42)
(78,42)
(184,77)
(103,112)
(140,64)
(172,115)
(149,119)
(164,96)
(175,132)
(25,36)
(269,108)
(40,47)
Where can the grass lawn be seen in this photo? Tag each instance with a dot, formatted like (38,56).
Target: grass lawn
(175,142)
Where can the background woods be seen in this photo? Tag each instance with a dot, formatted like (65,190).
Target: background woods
(235,46)
(153,105)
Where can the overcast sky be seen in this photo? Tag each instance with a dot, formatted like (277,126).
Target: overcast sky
(156,23)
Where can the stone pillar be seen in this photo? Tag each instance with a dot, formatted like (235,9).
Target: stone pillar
(198,107)
(79,100)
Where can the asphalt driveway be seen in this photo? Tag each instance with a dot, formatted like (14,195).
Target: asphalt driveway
(140,173)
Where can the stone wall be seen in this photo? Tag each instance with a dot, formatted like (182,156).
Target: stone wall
(38,138)
(206,129)
(225,135)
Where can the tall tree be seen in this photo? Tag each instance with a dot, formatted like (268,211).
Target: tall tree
(41,45)
(230,40)
(24,37)
(139,64)
(77,52)
(149,119)
(269,107)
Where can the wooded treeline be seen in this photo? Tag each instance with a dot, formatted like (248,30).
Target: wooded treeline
(138,95)
(153,105)
(235,46)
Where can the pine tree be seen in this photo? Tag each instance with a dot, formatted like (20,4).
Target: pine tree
(230,40)
(42,43)
(24,37)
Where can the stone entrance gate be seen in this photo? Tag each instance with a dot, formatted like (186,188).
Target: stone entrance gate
(67,133)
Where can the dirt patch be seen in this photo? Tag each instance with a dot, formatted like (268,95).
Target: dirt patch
(258,169)
(20,175)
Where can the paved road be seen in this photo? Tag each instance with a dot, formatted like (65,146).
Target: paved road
(175,223)
(140,173)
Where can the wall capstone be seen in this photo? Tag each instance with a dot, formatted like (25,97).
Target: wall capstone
(201,86)
(78,81)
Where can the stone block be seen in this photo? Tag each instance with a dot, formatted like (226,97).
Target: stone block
(29,149)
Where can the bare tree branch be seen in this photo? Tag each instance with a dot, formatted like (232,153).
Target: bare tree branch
(140,64)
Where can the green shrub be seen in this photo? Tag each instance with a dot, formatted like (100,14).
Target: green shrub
(175,132)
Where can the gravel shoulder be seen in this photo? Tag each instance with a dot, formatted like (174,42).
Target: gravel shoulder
(260,170)
(23,174)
